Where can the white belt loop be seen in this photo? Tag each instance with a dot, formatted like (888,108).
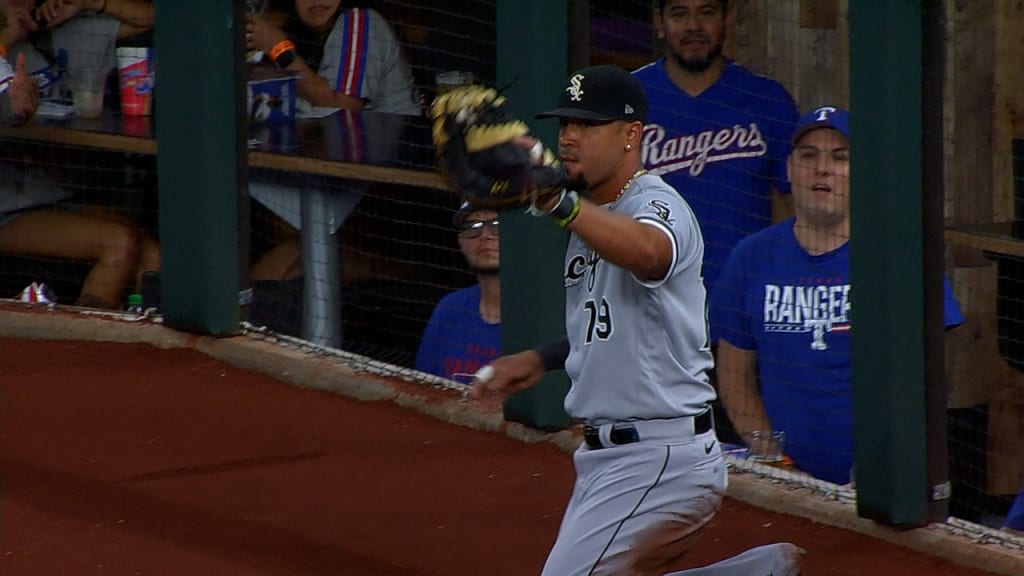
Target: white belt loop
(604,434)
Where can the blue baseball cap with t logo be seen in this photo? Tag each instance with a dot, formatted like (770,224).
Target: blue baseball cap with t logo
(601,94)
(822,117)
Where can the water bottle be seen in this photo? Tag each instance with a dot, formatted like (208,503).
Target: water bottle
(135,307)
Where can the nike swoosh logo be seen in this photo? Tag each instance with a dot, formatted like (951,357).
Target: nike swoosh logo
(709,447)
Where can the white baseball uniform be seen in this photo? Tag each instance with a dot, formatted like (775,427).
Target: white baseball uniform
(651,473)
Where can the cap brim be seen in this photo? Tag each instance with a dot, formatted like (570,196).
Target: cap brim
(575,113)
(814,126)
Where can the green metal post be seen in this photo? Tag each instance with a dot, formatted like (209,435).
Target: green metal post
(532,56)
(886,263)
(201,162)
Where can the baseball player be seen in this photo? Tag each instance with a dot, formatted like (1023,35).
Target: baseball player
(650,474)
(783,310)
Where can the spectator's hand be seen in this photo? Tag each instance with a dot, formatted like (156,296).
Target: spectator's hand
(53,13)
(261,33)
(508,374)
(19,24)
(23,92)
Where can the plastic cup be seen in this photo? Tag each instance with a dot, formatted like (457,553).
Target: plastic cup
(448,81)
(766,447)
(87,91)
(136,80)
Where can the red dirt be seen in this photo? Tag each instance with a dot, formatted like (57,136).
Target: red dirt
(128,459)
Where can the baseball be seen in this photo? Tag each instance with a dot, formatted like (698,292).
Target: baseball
(485,373)
(536,153)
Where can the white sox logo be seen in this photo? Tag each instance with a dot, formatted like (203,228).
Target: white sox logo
(581,266)
(696,151)
(663,211)
(575,88)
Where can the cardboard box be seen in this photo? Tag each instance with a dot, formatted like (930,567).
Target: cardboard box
(271,96)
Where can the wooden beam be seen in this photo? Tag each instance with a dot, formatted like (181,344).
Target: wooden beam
(819,14)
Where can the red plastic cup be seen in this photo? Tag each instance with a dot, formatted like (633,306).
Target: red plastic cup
(135,73)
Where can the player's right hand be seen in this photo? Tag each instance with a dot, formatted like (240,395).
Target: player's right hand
(508,374)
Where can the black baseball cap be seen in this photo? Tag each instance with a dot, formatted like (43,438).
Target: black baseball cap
(460,215)
(602,94)
(465,209)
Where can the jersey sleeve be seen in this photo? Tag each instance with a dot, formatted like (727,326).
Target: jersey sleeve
(727,312)
(345,53)
(363,59)
(668,212)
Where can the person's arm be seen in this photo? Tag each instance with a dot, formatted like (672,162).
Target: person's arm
(554,355)
(642,249)
(736,370)
(516,372)
(136,16)
(317,91)
(263,34)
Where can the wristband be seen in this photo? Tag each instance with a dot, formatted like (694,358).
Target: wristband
(285,59)
(280,48)
(567,209)
(553,355)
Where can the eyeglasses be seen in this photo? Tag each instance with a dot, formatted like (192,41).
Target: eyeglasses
(474,228)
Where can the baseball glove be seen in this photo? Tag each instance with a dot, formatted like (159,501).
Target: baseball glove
(475,142)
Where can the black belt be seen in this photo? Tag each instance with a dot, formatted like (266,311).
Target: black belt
(626,433)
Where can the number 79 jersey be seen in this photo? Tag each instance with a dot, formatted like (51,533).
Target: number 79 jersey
(639,350)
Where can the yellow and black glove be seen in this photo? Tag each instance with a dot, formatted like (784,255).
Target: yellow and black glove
(478,151)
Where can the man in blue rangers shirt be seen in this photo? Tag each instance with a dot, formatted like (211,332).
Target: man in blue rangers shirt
(782,309)
(464,332)
(716,132)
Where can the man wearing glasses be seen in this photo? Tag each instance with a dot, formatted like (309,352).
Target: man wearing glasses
(464,332)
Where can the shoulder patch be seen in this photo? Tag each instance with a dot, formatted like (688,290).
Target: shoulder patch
(662,210)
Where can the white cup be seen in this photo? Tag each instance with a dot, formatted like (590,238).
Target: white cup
(448,81)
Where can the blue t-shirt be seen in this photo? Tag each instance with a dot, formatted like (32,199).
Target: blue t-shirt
(457,342)
(1015,517)
(723,150)
(793,309)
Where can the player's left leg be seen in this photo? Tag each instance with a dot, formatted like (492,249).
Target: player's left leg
(637,507)
(781,559)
